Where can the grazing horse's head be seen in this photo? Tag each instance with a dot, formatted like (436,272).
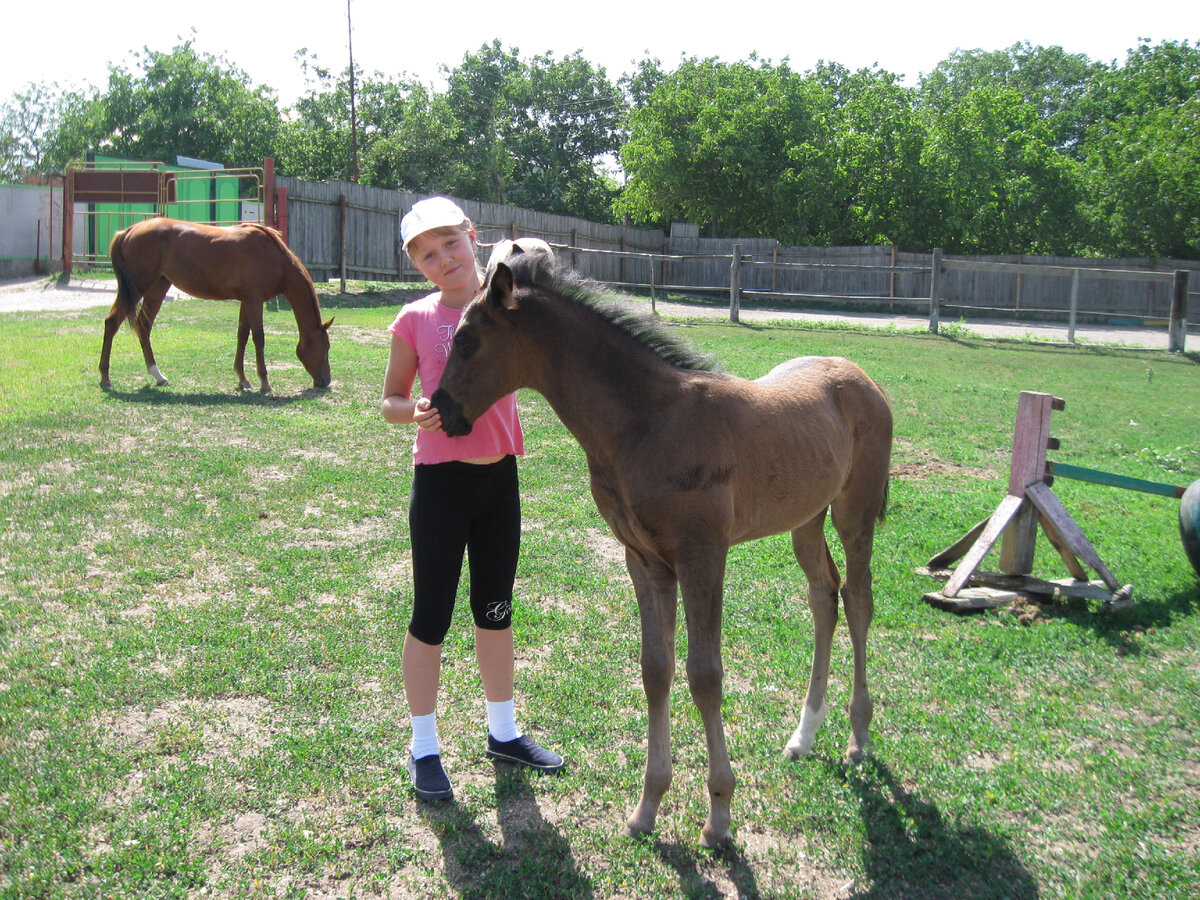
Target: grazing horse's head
(313,352)
(484,362)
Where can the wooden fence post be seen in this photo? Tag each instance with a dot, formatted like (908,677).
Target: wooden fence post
(1177,331)
(935,290)
(342,240)
(281,206)
(1074,307)
(653,297)
(68,223)
(735,283)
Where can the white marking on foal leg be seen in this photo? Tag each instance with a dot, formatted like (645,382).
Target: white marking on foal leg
(802,739)
(157,375)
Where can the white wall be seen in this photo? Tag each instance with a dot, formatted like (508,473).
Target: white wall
(22,208)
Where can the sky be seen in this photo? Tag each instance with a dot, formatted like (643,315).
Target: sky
(73,43)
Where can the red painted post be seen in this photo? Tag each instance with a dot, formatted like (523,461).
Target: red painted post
(269,217)
(1031,437)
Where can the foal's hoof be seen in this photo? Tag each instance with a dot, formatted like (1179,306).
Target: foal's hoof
(856,755)
(712,840)
(628,830)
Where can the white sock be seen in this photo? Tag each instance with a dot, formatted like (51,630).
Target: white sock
(502,724)
(424,736)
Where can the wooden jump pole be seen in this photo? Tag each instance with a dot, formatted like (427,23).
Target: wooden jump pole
(1028,504)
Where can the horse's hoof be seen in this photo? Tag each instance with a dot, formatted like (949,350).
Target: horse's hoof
(635,832)
(715,841)
(105,384)
(856,756)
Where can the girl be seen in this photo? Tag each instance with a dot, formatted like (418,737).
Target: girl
(464,498)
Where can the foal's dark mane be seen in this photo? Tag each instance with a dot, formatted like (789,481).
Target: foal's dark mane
(613,308)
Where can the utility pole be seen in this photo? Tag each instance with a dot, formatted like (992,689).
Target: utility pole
(353,115)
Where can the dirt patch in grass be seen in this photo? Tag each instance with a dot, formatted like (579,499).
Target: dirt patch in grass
(207,729)
(911,463)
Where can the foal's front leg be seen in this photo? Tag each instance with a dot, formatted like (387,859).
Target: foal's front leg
(701,583)
(656,591)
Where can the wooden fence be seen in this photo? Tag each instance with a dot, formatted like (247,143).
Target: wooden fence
(345,230)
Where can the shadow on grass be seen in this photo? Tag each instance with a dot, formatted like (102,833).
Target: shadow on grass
(1123,630)
(151,395)
(694,883)
(912,850)
(533,860)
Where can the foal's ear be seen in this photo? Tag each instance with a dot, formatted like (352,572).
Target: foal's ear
(500,287)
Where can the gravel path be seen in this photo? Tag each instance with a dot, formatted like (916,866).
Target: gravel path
(34,294)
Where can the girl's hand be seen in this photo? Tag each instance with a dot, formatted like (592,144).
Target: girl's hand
(426,415)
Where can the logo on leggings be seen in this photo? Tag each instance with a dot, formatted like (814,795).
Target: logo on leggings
(498,612)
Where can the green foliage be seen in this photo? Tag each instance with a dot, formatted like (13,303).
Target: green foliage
(1143,154)
(740,147)
(1025,150)
(180,103)
(539,131)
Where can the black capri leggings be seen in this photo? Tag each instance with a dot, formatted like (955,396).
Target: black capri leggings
(457,506)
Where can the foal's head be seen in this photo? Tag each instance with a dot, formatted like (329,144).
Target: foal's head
(484,362)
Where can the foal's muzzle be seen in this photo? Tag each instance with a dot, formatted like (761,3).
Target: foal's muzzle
(454,423)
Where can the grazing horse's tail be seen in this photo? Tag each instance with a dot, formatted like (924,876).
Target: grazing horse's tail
(128,295)
(883,506)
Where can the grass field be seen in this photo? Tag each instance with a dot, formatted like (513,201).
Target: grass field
(203,596)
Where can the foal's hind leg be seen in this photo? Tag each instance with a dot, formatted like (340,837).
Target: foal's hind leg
(808,543)
(855,524)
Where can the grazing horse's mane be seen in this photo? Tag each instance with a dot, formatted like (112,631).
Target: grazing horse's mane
(550,275)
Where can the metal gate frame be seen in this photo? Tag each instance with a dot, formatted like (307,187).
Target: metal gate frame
(118,194)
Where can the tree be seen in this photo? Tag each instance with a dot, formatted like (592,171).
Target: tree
(181,104)
(879,137)
(741,147)
(418,152)
(25,120)
(1142,154)
(1000,186)
(1055,82)
(535,133)
(559,141)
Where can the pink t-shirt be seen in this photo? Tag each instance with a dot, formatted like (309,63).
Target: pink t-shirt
(428,328)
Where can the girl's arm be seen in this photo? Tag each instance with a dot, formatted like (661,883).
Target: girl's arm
(397,407)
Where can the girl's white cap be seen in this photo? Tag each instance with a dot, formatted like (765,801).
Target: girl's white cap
(434,212)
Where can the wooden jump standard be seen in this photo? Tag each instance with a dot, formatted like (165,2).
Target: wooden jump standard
(1029,502)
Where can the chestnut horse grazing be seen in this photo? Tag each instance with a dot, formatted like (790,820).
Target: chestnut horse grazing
(249,263)
(684,463)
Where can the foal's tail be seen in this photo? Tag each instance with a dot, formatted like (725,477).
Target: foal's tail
(128,296)
(883,506)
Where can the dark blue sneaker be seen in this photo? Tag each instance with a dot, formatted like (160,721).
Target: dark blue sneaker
(429,778)
(525,752)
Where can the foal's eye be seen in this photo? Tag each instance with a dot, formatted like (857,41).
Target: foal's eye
(465,344)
